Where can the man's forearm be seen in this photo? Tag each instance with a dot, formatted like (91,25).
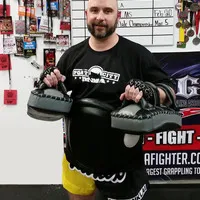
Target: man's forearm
(163,97)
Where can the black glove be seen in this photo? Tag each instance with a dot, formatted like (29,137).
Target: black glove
(40,84)
(150,91)
(46,72)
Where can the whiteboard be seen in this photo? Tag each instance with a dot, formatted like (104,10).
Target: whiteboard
(148,22)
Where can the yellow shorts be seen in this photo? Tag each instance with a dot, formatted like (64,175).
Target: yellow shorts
(74,182)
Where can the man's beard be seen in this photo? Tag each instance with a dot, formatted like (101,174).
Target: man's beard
(102,34)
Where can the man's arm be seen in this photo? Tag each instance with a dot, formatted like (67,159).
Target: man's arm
(163,97)
(153,72)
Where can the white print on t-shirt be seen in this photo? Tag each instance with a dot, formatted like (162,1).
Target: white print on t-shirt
(139,196)
(114,178)
(95,74)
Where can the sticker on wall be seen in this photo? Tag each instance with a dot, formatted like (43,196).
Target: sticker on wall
(65,26)
(66,9)
(62,42)
(49,58)
(6,26)
(19,27)
(49,38)
(53,11)
(29,46)
(19,46)
(4,62)
(44,25)
(33,25)
(39,7)
(10,97)
(1,44)
(29,3)
(7,7)
(30,12)
(9,45)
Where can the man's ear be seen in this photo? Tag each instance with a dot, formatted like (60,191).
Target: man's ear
(85,12)
(119,14)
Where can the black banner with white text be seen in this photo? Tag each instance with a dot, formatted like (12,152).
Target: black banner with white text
(175,155)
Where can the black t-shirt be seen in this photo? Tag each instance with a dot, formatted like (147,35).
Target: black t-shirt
(104,76)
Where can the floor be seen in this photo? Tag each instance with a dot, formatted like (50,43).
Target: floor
(56,192)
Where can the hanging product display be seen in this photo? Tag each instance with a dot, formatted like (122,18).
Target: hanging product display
(4,62)
(49,38)
(62,42)
(9,45)
(29,46)
(188,14)
(5,5)
(19,46)
(49,58)
(10,95)
(6,26)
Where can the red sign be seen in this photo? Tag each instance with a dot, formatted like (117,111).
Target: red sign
(10,97)
(4,62)
(187,138)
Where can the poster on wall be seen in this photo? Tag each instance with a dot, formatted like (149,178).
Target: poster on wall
(175,155)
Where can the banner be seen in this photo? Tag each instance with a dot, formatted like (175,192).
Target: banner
(175,155)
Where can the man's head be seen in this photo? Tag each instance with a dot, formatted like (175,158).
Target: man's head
(102,17)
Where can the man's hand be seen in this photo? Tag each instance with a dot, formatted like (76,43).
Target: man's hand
(152,93)
(52,79)
(131,93)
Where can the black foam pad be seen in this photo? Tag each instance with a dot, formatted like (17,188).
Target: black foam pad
(49,104)
(134,119)
(147,118)
(92,146)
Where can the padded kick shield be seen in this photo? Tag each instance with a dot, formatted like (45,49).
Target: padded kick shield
(49,104)
(147,118)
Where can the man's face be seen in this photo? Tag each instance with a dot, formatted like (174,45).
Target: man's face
(102,17)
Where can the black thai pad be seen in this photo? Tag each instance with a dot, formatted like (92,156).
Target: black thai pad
(49,104)
(147,118)
(92,146)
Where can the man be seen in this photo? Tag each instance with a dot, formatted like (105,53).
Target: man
(100,67)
